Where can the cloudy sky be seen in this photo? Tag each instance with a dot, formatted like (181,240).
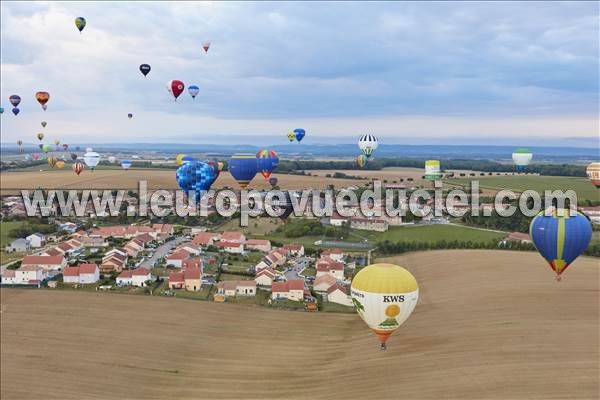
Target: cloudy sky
(500,73)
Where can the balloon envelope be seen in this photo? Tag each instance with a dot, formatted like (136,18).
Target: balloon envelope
(368,144)
(112,159)
(40,136)
(560,239)
(175,87)
(522,158)
(125,164)
(145,69)
(291,136)
(433,171)
(299,133)
(179,159)
(80,23)
(206,46)
(52,161)
(243,168)
(15,100)
(60,164)
(267,161)
(42,98)
(193,90)
(16,111)
(130,115)
(78,167)
(361,160)
(197,176)
(91,159)
(46,148)
(44,123)
(384,296)
(73,156)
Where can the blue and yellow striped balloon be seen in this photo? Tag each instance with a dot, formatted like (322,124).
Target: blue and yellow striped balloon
(560,239)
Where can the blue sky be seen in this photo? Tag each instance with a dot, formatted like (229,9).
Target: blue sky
(505,73)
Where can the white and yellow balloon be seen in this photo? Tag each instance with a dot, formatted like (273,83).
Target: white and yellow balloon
(384,296)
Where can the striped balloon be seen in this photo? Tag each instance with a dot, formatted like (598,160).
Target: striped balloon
(368,144)
(560,239)
(267,161)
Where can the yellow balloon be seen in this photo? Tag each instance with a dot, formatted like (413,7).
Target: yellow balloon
(60,164)
(179,159)
(291,136)
(384,296)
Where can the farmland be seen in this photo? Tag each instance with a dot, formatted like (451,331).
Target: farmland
(457,343)
(520,183)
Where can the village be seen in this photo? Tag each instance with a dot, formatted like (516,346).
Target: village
(195,264)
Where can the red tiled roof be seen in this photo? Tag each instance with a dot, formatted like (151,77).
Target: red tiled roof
(126,274)
(335,287)
(87,268)
(232,236)
(266,271)
(192,263)
(293,247)
(325,265)
(71,271)
(295,284)
(180,254)
(203,238)
(53,252)
(228,244)
(258,242)
(176,277)
(140,272)
(193,273)
(42,260)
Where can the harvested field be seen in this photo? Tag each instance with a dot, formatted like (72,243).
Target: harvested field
(13,182)
(489,325)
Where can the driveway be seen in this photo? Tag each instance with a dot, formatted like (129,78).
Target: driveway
(162,251)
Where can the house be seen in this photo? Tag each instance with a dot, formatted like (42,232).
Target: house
(369,224)
(114,262)
(204,239)
(49,263)
(176,280)
(64,248)
(92,241)
(258,244)
(337,220)
(296,250)
(68,227)
(519,237)
(162,231)
(334,254)
(290,290)
(191,248)
(82,274)
(9,277)
(30,275)
(275,259)
(191,263)
(52,252)
(19,245)
(328,266)
(193,279)
(339,294)
(236,288)
(115,251)
(177,257)
(36,240)
(233,236)
(265,277)
(231,247)
(323,283)
(133,247)
(134,277)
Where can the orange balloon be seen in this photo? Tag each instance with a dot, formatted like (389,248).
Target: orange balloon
(42,97)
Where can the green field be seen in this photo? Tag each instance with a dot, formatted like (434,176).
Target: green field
(582,186)
(5,232)
(431,233)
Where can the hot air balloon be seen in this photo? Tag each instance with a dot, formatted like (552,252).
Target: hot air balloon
(91,159)
(179,159)
(214,164)
(432,170)
(44,107)
(52,161)
(78,166)
(361,160)
(243,167)
(56,142)
(60,164)
(593,173)
(299,133)
(221,165)
(41,146)
(73,156)
(175,87)
(19,142)
(267,161)
(40,136)
(16,111)
(46,148)
(273,181)
(130,115)
(145,69)
(197,176)
(15,100)
(560,238)
(44,123)
(384,296)
(282,204)
(291,136)
(193,90)
(125,164)
(187,159)
(65,146)
(368,144)
(36,156)
(112,159)
(206,46)
(522,158)
(80,23)
(42,98)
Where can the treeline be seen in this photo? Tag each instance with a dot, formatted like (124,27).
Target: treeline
(516,223)
(476,165)
(311,227)
(387,247)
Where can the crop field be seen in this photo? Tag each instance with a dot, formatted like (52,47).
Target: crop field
(489,325)
(520,183)
(432,233)
(111,179)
